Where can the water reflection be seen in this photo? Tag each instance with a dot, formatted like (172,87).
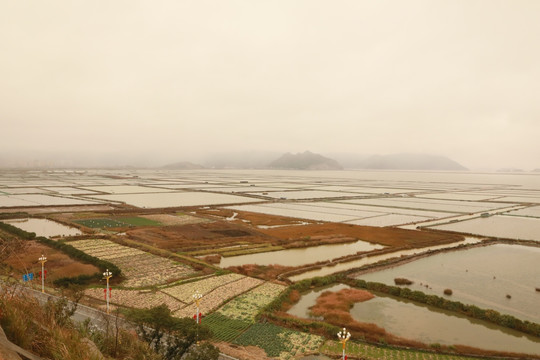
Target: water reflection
(296,257)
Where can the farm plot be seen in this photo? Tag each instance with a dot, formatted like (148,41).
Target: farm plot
(140,268)
(136,299)
(279,342)
(184,292)
(246,306)
(117,222)
(178,219)
(219,295)
(224,328)
(371,352)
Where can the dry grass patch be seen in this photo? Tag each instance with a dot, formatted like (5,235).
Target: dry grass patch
(58,264)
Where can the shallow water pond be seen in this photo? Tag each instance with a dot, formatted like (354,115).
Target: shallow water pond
(44,227)
(430,325)
(425,323)
(327,270)
(297,257)
(482,276)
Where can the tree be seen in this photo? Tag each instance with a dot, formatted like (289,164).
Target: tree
(169,336)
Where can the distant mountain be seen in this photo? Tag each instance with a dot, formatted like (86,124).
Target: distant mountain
(305,161)
(183,165)
(410,162)
(536,170)
(239,160)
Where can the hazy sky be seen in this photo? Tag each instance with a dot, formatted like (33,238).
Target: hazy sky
(176,79)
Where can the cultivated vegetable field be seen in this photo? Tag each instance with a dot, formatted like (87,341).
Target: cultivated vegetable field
(219,295)
(245,307)
(279,342)
(139,267)
(224,328)
(136,298)
(184,292)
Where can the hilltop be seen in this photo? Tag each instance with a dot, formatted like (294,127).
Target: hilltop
(305,161)
(404,162)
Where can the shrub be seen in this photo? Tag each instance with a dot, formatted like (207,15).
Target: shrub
(447,291)
(402,281)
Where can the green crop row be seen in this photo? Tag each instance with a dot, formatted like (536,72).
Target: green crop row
(278,341)
(224,328)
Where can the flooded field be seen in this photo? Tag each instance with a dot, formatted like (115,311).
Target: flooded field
(25,200)
(452,206)
(503,226)
(430,325)
(175,199)
(296,257)
(531,211)
(327,270)
(425,323)
(482,276)
(43,227)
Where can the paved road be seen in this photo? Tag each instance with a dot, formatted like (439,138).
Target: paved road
(97,318)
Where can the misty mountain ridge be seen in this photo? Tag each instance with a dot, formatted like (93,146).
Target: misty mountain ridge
(305,161)
(409,162)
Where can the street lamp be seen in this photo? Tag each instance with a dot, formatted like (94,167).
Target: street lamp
(343,336)
(107,275)
(197,297)
(43,260)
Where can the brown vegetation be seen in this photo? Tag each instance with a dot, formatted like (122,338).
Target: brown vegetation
(58,265)
(448,292)
(385,236)
(198,236)
(265,272)
(402,281)
(212,259)
(330,304)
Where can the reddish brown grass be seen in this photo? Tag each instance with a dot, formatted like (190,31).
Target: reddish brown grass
(58,264)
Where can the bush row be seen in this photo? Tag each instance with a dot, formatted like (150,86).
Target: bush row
(17,232)
(15,215)
(456,306)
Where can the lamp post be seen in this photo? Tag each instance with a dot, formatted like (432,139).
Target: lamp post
(43,260)
(107,275)
(343,336)
(197,297)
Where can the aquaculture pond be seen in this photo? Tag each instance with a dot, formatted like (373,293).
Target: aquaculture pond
(503,226)
(44,227)
(482,276)
(327,270)
(175,199)
(431,325)
(427,324)
(302,256)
